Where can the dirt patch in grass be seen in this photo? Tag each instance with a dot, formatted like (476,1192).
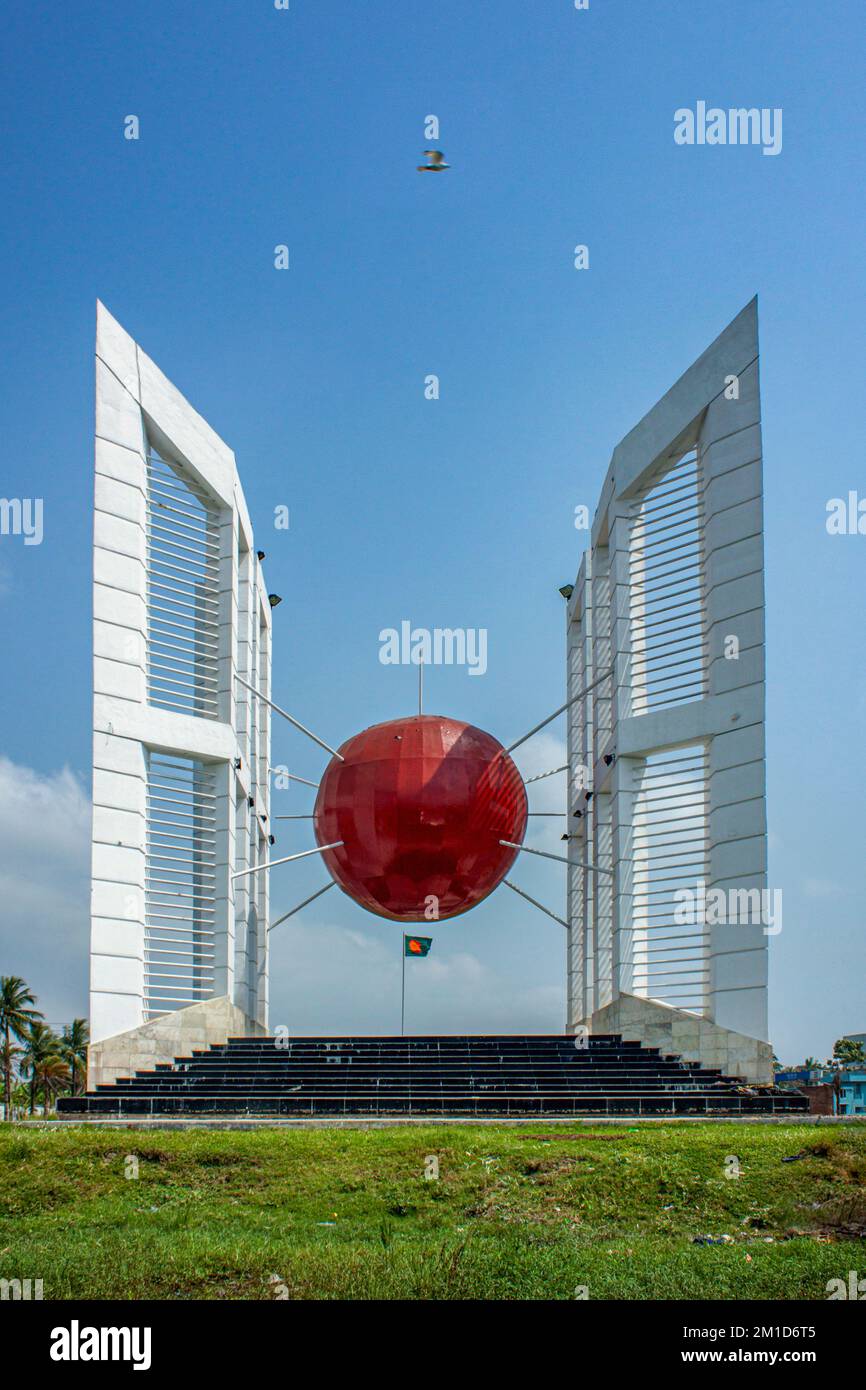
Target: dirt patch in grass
(553,1166)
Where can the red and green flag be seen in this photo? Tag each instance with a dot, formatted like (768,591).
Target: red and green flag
(416,945)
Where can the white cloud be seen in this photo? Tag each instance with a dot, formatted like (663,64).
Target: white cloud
(44,886)
(327,978)
(543,753)
(339,972)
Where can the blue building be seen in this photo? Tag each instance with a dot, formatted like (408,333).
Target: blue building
(852,1092)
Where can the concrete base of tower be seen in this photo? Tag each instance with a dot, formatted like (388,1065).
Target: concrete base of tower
(685,1034)
(177,1034)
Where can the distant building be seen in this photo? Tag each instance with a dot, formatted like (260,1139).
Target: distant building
(852,1092)
(847,1086)
(805,1076)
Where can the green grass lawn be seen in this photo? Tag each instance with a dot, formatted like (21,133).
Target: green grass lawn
(531,1212)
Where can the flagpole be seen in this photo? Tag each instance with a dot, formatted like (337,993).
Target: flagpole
(403,992)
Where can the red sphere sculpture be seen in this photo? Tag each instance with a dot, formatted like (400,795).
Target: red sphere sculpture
(420,805)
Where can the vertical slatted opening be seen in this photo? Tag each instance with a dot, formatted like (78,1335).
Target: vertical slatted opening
(183,603)
(670,853)
(580,961)
(668,648)
(180,883)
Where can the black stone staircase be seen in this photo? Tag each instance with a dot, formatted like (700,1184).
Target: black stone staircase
(453,1076)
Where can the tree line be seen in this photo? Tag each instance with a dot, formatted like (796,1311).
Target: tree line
(37,1063)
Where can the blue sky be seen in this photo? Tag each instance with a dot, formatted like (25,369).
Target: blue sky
(261,127)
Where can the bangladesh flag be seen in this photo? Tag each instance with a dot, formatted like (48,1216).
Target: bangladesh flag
(416,945)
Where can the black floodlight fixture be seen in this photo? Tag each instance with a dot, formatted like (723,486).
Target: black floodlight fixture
(567,590)
(274,599)
(260,555)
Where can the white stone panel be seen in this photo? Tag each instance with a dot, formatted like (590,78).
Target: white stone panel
(119,644)
(116,349)
(192,439)
(747,669)
(737,747)
(118,572)
(112,605)
(119,499)
(124,465)
(737,784)
(119,791)
(118,755)
(118,828)
(118,418)
(117,901)
(111,1012)
(116,937)
(744,557)
(732,451)
(119,679)
(117,865)
(739,820)
(737,859)
(732,489)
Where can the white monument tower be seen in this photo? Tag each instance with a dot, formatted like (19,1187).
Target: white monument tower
(181,748)
(666,795)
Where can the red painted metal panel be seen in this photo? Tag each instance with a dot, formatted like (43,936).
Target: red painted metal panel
(420,804)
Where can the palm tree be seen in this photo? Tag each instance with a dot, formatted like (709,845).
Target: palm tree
(41,1045)
(51,1075)
(16,1015)
(19,1096)
(73,1048)
(9,1054)
(811,1064)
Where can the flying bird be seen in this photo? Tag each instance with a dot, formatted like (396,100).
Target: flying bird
(437,163)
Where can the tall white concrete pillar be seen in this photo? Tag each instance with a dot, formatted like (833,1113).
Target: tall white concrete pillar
(172,758)
(670,592)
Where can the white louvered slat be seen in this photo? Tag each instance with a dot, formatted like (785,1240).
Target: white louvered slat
(183,599)
(180,874)
(668,640)
(670,853)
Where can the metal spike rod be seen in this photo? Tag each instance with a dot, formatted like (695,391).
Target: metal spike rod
(272,863)
(293,777)
(560,859)
(540,906)
(539,776)
(296,723)
(574,699)
(305,903)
